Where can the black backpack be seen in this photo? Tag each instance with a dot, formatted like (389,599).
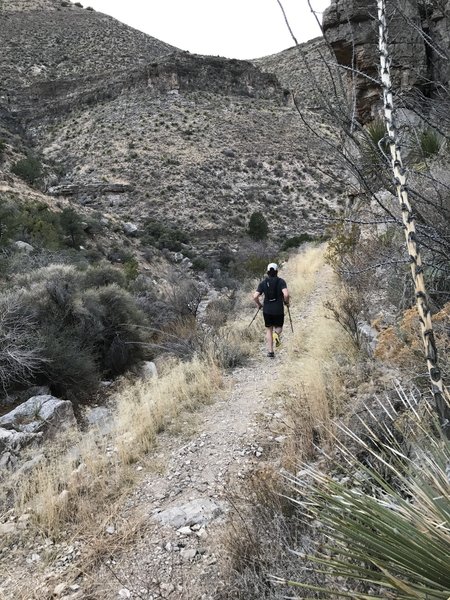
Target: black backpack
(271,290)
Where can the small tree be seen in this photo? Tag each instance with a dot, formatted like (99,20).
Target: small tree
(2,148)
(29,169)
(258,228)
(72,226)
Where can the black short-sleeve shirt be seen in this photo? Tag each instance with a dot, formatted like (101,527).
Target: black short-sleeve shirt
(276,307)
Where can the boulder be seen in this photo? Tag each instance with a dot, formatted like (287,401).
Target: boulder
(368,336)
(29,465)
(12,441)
(23,247)
(43,413)
(148,370)
(130,229)
(195,512)
(186,263)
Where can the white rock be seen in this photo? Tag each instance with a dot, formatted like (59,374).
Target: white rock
(148,370)
(166,589)
(23,246)
(188,554)
(202,533)
(8,528)
(124,593)
(63,498)
(185,531)
(59,589)
(200,511)
(110,529)
(130,229)
(40,413)
(101,418)
(31,464)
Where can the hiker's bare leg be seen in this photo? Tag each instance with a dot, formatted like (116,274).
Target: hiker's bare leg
(269,339)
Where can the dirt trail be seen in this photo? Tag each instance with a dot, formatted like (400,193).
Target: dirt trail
(183,511)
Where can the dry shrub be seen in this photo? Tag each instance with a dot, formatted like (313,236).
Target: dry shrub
(218,311)
(77,329)
(263,524)
(231,345)
(402,345)
(346,310)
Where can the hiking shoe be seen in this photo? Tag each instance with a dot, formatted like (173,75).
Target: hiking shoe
(271,354)
(276,339)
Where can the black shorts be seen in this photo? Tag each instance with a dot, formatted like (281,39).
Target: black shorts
(273,320)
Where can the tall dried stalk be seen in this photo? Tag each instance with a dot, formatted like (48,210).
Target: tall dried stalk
(440,393)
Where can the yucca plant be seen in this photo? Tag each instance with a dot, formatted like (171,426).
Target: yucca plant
(374,148)
(430,142)
(427,144)
(386,522)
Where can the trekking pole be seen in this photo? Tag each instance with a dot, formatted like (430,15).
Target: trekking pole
(290,318)
(259,308)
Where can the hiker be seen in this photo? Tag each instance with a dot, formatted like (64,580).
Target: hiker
(276,295)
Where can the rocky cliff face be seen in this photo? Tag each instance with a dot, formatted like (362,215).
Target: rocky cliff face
(419,40)
(177,73)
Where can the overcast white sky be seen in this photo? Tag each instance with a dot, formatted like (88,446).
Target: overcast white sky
(232,28)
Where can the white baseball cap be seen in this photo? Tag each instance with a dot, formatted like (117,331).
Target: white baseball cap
(272,267)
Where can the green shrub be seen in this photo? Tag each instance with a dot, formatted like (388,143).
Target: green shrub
(7,221)
(157,234)
(81,325)
(35,223)
(2,148)
(199,263)
(29,169)
(102,275)
(258,228)
(131,268)
(253,266)
(297,240)
(373,148)
(72,226)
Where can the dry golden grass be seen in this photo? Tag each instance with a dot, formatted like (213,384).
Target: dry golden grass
(309,377)
(85,471)
(88,470)
(145,408)
(311,383)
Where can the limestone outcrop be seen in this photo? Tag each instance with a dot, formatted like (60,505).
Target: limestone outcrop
(419,40)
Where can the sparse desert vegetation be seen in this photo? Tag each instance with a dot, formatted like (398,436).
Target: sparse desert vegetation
(148,446)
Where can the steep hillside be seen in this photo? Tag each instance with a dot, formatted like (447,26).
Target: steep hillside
(204,160)
(301,69)
(59,41)
(200,142)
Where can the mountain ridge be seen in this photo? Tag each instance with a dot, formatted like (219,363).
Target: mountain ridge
(202,142)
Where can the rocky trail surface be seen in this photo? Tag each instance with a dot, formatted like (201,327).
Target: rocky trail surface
(167,540)
(183,511)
